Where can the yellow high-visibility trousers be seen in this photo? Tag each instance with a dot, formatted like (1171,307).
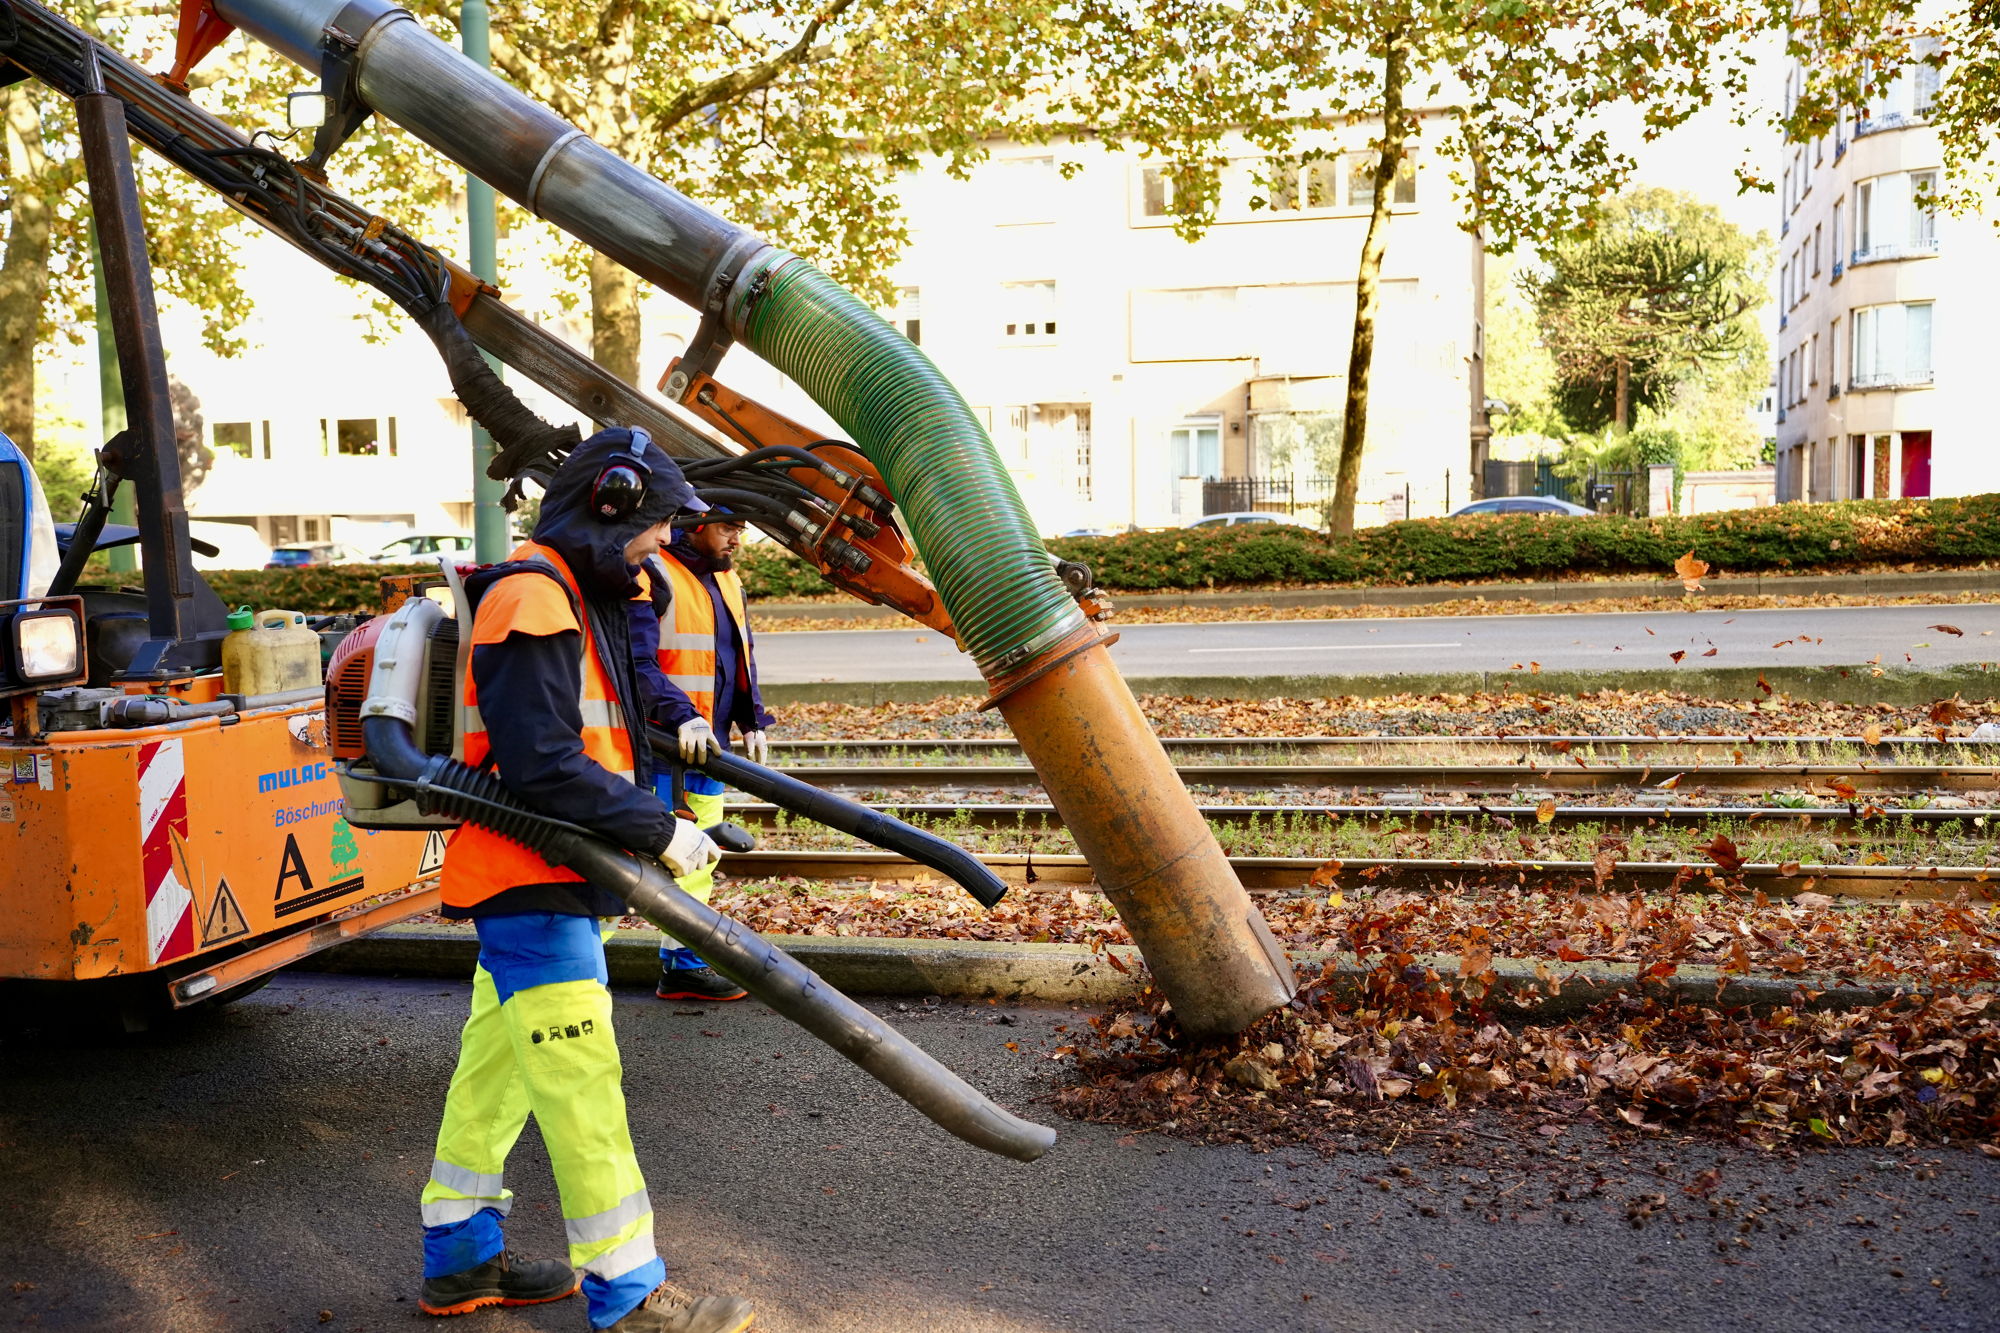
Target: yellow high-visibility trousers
(539,1039)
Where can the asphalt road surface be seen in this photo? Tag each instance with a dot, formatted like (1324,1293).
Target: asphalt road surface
(260,1171)
(1900,636)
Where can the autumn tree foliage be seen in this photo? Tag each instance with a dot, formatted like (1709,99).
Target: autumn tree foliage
(797,120)
(45,265)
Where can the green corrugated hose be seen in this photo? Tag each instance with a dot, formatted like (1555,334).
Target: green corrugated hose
(979,545)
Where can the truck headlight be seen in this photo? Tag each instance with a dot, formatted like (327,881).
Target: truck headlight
(48,645)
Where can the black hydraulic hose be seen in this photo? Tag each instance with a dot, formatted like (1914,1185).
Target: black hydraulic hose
(767,972)
(850,817)
(518,433)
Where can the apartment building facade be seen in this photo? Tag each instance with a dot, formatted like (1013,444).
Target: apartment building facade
(1118,368)
(1882,299)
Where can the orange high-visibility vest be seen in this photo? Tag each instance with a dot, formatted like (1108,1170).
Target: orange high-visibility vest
(687,647)
(479,863)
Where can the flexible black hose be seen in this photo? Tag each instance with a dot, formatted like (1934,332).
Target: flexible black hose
(851,817)
(518,433)
(767,972)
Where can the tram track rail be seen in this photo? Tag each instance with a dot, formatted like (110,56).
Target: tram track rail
(1530,748)
(1282,874)
(1820,779)
(1041,817)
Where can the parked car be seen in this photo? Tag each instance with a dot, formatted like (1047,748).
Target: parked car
(1241,518)
(1090,532)
(315,553)
(1525,504)
(421,545)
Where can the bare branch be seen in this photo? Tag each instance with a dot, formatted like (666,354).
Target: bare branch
(729,87)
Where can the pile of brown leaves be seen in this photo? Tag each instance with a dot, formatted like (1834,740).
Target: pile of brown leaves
(1922,1066)
(1599,712)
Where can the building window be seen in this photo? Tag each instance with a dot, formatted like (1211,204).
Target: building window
(1194,449)
(908,314)
(1894,217)
(1345,181)
(1028,312)
(1815,250)
(1156,193)
(1008,427)
(312,530)
(1812,362)
(1839,205)
(235,436)
(1923,214)
(358,437)
(1892,346)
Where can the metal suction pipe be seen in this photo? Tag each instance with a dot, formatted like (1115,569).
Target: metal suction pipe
(507,139)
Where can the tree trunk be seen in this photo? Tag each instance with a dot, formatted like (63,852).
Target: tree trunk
(1367,290)
(614,318)
(612,120)
(1621,409)
(24,269)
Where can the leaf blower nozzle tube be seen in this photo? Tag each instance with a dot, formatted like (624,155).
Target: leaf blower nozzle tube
(442,784)
(872,826)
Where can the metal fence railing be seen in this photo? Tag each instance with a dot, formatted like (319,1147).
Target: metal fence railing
(1283,495)
(1620,492)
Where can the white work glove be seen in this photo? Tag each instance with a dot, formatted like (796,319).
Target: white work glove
(756,747)
(697,740)
(690,850)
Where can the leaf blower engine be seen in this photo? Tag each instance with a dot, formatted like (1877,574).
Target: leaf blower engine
(395,726)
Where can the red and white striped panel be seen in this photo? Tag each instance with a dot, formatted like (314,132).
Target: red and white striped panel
(162,814)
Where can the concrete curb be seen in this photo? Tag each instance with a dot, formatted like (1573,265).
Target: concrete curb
(972,970)
(1852,684)
(1549,592)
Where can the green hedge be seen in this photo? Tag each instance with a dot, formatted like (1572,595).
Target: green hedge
(318,590)
(1529,546)
(1426,550)
(769,573)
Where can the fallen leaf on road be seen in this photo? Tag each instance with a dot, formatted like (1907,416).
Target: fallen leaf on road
(1952,630)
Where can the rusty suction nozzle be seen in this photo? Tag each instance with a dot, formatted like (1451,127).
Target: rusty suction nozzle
(1151,850)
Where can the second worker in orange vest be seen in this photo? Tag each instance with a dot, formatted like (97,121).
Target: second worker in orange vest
(700,681)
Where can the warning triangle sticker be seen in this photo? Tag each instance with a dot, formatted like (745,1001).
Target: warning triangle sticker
(433,858)
(225,918)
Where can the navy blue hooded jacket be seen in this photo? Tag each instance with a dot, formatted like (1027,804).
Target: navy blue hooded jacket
(528,684)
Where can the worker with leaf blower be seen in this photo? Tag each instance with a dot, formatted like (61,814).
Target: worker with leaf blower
(551,664)
(696,663)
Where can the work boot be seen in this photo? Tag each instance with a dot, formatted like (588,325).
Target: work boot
(670,1310)
(696,983)
(501,1280)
